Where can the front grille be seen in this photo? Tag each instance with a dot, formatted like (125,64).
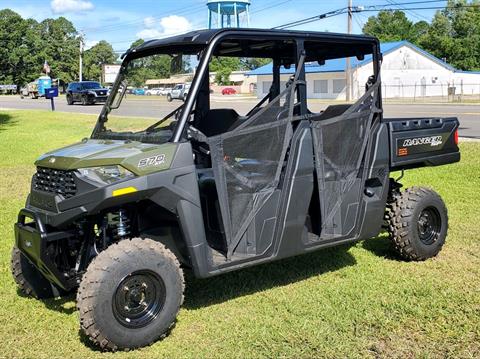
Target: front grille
(55,181)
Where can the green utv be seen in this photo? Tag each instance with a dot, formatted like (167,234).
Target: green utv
(120,215)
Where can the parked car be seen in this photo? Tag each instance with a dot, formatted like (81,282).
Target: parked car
(179,92)
(86,92)
(229,91)
(164,91)
(153,91)
(138,91)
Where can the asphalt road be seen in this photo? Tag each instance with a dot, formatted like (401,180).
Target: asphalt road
(156,107)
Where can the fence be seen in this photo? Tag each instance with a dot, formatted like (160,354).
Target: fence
(437,92)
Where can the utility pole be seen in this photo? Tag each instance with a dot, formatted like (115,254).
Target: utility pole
(81,56)
(348,70)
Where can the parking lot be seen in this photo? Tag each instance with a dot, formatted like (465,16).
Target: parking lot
(157,106)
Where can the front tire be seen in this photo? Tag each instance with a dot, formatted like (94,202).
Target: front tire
(85,101)
(130,294)
(29,280)
(417,222)
(169,98)
(69,100)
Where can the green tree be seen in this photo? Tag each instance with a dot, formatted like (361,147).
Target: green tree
(253,63)
(223,67)
(19,50)
(394,26)
(151,67)
(455,35)
(61,47)
(97,56)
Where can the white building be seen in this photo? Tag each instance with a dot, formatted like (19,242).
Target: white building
(407,71)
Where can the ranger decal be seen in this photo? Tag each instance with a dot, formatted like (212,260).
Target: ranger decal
(432,141)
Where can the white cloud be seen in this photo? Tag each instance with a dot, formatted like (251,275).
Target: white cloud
(168,25)
(63,6)
(90,43)
(149,22)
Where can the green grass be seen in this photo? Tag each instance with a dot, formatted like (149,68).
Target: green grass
(334,303)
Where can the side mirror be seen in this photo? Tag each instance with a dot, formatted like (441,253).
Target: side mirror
(361,57)
(119,95)
(176,65)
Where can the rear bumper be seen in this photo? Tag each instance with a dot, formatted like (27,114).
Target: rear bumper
(32,240)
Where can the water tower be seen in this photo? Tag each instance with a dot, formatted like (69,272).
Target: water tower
(228,13)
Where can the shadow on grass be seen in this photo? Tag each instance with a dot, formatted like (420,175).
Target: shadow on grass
(64,304)
(5,121)
(382,247)
(205,292)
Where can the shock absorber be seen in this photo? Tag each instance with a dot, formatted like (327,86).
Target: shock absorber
(119,223)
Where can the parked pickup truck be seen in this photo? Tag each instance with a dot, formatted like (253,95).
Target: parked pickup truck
(119,216)
(179,92)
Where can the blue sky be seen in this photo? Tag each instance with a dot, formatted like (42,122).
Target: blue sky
(121,22)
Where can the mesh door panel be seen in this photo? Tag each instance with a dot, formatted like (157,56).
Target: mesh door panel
(247,162)
(339,145)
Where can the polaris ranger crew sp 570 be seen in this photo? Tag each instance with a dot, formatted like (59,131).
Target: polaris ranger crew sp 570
(121,214)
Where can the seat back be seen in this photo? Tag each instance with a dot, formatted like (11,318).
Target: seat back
(218,121)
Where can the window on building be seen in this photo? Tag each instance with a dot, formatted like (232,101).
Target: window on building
(320,86)
(339,85)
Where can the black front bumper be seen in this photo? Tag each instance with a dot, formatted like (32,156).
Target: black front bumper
(33,240)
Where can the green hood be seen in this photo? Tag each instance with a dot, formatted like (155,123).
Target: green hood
(139,158)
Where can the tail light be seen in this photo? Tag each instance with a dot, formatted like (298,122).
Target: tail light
(455,136)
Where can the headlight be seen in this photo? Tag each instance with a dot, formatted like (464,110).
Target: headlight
(106,174)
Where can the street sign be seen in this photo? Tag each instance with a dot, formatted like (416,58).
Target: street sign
(51,93)
(109,73)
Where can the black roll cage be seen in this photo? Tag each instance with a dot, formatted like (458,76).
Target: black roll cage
(207,41)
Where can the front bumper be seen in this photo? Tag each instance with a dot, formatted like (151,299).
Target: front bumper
(97,99)
(32,239)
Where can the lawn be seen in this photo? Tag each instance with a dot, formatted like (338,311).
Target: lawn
(360,302)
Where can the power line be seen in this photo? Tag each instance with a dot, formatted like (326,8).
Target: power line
(412,13)
(371,8)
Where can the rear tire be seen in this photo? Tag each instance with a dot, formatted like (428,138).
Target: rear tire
(29,280)
(130,295)
(417,222)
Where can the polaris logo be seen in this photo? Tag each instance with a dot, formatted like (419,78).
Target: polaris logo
(152,161)
(432,141)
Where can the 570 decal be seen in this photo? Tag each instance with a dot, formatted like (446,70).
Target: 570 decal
(152,161)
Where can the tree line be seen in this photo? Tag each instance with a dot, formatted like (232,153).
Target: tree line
(26,44)
(453,34)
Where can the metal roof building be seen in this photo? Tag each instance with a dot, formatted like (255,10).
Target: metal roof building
(407,71)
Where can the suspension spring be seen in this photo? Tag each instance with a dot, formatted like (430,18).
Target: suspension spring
(120,223)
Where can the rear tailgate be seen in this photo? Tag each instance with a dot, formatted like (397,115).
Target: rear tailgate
(419,142)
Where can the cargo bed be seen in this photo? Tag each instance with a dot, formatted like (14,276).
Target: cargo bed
(419,142)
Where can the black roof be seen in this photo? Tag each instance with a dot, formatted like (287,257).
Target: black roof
(194,41)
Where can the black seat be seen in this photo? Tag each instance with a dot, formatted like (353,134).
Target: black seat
(330,112)
(218,121)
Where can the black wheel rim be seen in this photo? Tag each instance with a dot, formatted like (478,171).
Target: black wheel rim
(429,225)
(139,298)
